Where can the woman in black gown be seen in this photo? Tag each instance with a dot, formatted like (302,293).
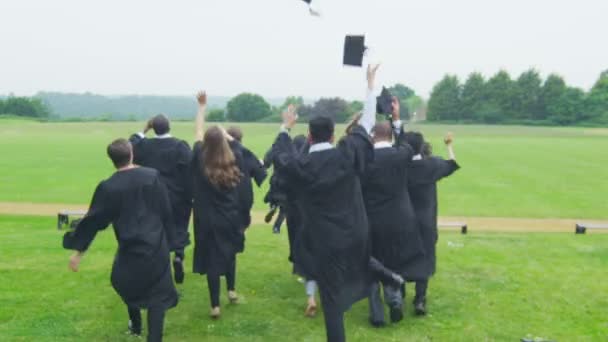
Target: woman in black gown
(218,227)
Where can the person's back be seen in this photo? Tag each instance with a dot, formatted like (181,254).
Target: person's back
(171,158)
(136,202)
(395,237)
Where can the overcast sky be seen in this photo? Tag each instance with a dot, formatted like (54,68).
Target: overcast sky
(273,47)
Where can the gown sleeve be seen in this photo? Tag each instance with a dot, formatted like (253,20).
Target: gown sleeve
(444,168)
(358,148)
(100,215)
(137,140)
(166,213)
(255,167)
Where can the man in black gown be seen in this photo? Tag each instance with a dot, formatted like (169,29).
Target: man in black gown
(336,232)
(394,230)
(252,169)
(171,157)
(135,201)
(425,171)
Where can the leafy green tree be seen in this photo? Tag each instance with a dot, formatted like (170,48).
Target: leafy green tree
(24,106)
(597,101)
(570,107)
(551,92)
(500,93)
(216,115)
(247,107)
(444,103)
(528,89)
(472,97)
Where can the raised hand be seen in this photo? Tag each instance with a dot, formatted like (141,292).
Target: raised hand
(290,117)
(201,97)
(449,138)
(371,75)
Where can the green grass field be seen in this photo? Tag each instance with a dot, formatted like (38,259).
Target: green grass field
(507,171)
(489,287)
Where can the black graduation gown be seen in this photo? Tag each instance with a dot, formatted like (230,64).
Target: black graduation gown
(335,232)
(252,169)
(395,236)
(423,177)
(218,226)
(136,203)
(171,157)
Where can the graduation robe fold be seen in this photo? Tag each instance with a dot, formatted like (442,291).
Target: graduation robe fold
(171,157)
(136,203)
(395,236)
(252,170)
(334,237)
(218,224)
(423,177)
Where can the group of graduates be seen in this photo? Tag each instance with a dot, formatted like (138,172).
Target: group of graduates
(361,214)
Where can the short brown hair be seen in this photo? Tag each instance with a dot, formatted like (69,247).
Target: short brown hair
(120,151)
(236,133)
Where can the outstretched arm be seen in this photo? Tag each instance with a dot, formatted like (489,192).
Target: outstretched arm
(368,119)
(199,123)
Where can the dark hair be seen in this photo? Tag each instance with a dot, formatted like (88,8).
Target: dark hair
(160,124)
(383,130)
(321,129)
(299,141)
(120,151)
(235,133)
(415,140)
(218,162)
(427,149)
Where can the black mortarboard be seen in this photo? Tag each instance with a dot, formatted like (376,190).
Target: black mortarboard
(384,102)
(354,49)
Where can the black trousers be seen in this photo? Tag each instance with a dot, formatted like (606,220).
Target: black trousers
(156,322)
(213,283)
(421,287)
(334,321)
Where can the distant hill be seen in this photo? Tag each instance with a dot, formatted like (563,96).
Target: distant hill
(88,105)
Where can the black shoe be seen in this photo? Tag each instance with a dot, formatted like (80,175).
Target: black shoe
(276,230)
(178,269)
(420,307)
(396,314)
(270,215)
(377,324)
(133,330)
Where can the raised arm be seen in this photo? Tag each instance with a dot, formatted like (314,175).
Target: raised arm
(449,139)
(368,119)
(199,123)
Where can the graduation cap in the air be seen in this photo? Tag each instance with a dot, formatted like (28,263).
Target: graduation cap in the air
(384,102)
(313,11)
(354,50)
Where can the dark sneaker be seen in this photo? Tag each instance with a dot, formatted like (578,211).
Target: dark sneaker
(133,330)
(270,215)
(377,324)
(396,314)
(420,308)
(178,270)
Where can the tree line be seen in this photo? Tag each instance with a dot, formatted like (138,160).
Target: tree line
(25,107)
(249,107)
(526,100)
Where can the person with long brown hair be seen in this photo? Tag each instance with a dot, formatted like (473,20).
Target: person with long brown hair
(218,225)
